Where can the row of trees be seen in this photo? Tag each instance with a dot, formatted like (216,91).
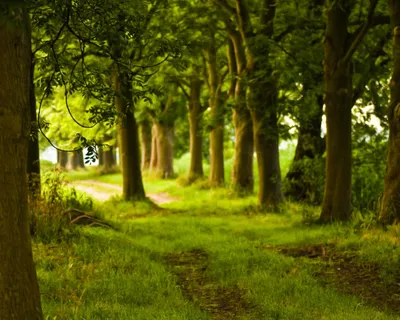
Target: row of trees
(219,60)
(259,60)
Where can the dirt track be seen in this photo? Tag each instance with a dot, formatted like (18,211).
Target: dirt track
(103,191)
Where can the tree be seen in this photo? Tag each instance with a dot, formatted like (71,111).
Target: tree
(263,104)
(128,137)
(62,159)
(195,114)
(19,289)
(216,105)
(242,170)
(303,55)
(390,204)
(154,149)
(339,48)
(110,48)
(163,129)
(145,138)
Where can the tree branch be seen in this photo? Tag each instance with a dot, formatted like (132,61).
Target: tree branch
(183,89)
(361,34)
(225,6)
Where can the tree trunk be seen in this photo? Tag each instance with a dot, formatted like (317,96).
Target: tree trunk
(33,168)
(101,156)
(81,159)
(19,291)
(338,95)
(76,160)
(242,170)
(128,139)
(146,141)
(196,112)
(263,103)
(109,159)
(154,150)
(217,119)
(62,160)
(309,145)
(165,150)
(390,203)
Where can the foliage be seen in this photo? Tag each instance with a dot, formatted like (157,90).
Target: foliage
(369,156)
(310,181)
(49,221)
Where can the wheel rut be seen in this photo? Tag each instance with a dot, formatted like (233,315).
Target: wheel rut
(222,303)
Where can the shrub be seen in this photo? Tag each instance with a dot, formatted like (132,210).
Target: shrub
(48,219)
(306,180)
(369,165)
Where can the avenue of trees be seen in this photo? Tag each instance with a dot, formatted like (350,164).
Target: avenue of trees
(156,79)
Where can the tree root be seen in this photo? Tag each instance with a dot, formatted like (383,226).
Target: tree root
(79,217)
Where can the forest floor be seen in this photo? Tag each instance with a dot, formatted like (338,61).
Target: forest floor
(206,254)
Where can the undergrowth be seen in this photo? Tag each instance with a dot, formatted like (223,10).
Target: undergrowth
(48,219)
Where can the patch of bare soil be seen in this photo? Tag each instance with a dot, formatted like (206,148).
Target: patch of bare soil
(221,302)
(349,274)
(88,186)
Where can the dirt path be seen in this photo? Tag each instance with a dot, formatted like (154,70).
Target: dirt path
(345,271)
(223,303)
(102,191)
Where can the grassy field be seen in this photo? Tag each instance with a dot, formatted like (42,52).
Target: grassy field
(211,255)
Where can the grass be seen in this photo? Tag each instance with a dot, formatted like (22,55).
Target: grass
(123,273)
(127,273)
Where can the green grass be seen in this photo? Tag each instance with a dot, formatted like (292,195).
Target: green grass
(123,273)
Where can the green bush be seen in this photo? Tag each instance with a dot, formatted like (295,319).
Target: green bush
(306,180)
(49,221)
(46,165)
(369,166)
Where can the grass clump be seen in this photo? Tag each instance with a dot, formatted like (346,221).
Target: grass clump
(48,219)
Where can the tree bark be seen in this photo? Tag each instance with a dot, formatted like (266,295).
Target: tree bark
(128,138)
(109,159)
(154,150)
(242,170)
(76,160)
(62,160)
(146,141)
(165,150)
(101,156)
(19,291)
(33,168)
(217,118)
(266,142)
(196,112)
(390,203)
(338,95)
